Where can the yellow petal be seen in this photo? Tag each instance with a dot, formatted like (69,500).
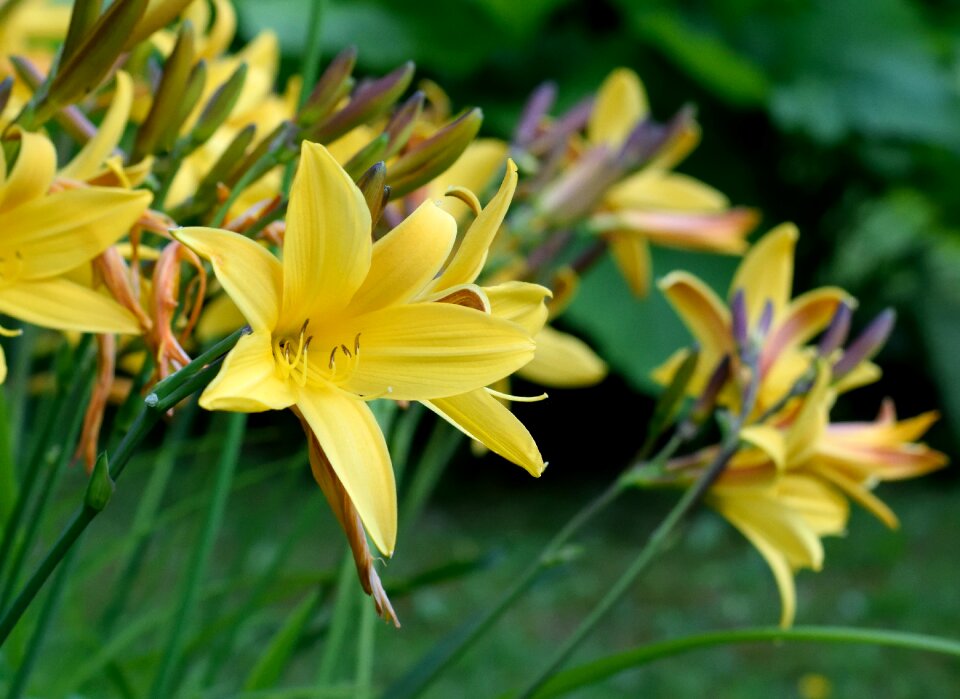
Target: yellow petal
(221,30)
(3,366)
(810,422)
(474,170)
(220,317)
(632,255)
(406,259)
(822,507)
(468,260)
(251,276)
(657,189)
(431,350)
(327,247)
(769,440)
(65,305)
(483,418)
(701,310)
(354,445)
(766,272)
(563,361)
(721,232)
(621,103)
(32,173)
(249,381)
(519,302)
(51,235)
(466,295)
(861,494)
(864,374)
(89,161)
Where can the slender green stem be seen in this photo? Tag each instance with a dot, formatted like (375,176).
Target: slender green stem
(148,417)
(8,475)
(339,623)
(39,632)
(233,440)
(591,673)
(365,651)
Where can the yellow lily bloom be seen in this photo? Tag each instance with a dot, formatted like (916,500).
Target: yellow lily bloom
(764,276)
(48,236)
(655,205)
(341,321)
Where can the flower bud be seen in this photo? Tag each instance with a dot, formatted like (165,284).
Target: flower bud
(363,159)
(401,125)
(536,108)
(867,344)
(374,191)
(332,86)
(219,106)
(82,18)
(101,486)
(837,332)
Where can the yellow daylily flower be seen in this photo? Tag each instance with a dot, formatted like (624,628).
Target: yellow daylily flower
(341,321)
(655,205)
(764,276)
(48,236)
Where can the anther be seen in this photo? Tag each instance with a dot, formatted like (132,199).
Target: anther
(333,354)
(356,345)
(346,351)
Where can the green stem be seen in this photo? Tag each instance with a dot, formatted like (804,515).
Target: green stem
(156,403)
(365,651)
(43,622)
(8,474)
(593,672)
(233,440)
(339,623)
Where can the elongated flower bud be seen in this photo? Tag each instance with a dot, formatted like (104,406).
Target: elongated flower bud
(332,86)
(536,108)
(867,344)
(219,106)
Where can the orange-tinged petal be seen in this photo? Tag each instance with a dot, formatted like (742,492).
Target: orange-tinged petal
(431,350)
(702,311)
(563,361)
(249,381)
(467,261)
(621,103)
(250,275)
(89,161)
(357,451)
(65,305)
(766,272)
(861,494)
(31,174)
(406,259)
(632,255)
(805,316)
(327,247)
(483,418)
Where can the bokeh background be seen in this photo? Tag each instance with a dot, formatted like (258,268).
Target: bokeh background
(840,115)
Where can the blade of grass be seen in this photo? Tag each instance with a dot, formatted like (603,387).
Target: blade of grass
(340,621)
(269,668)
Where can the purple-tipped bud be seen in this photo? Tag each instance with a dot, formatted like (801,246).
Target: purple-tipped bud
(574,120)
(333,85)
(648,138)
(837,331)
(579,189)
(867,344)
(738,317)
(6,87)
(765,321)
(400,126)
(535,109)
(707,400)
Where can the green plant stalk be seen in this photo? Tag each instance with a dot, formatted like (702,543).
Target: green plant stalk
(16,382)
(172,656)
(365,651)
(449,651)
(8,475)
(166,394)
(440,448)
(598,670)
(654,546)
(40,630)
(339,622)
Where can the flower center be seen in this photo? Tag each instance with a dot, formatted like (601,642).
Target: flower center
(292,355)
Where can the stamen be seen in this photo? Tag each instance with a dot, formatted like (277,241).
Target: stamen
(356,345)
(333,365)
(346,351)
(516,399)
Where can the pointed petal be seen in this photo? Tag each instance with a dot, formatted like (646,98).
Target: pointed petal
(864,374)
(621,103)
(810,423)
(406,259)
(482,417)
(721,232)
(466,295)
(3,366)
(860,494)
(249,381)
(89,161)
(769,440)
(432,350)
(805,316)
(357,451)
(56,233)
(632,255)
(519,302)
(32,173)
(65,305)
(250,275)
(660,190)
(563,361)
(702,311)
(468,260)
(327,247)
(474,170)
(766,272)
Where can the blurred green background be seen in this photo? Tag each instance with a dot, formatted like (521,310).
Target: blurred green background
(840,115)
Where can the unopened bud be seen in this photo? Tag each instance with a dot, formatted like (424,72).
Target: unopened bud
(70,118)
(159,13)
(332,86)
(534,111)
(738,319)
(82,18)
(764,322)
(573,121)
(707,401)
(667,405)
(433,156)
(101,486)
(94,57)
(219,106)
(169,94)
(6,88)
(374,191)
(579,189)
(369,101)
(363,159)
(187,101)
(837,332)
(867,344)
(401,125)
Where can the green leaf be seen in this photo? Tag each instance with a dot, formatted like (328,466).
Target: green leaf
(269,668)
